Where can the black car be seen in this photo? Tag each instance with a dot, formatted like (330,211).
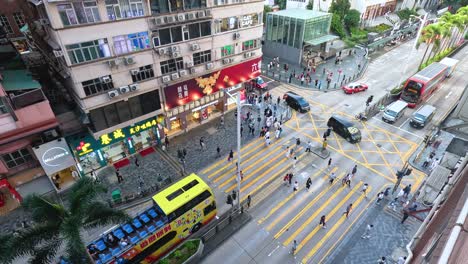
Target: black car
(296,102)
(344,128)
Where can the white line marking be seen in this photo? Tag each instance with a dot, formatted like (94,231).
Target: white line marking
(404,122)
(396,127)
(385,149)
(448,95)
(273,251)
(270,81)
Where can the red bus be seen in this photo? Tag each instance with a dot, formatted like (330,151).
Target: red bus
(421,85)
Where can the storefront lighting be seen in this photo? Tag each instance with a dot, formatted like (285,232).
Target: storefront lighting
(173,118)
(79,167)
(195,97)
(100,155)
(242,79)
(130,142)
(157,133)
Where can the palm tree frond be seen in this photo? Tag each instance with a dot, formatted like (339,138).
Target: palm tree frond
(27,240)
(43,210)
(45,254)
(84,192)
(5,249)
(100,214)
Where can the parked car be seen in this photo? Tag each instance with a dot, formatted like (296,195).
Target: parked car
(354,88)
(259,83)
(296,102)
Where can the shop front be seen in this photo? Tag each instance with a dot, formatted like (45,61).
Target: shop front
(114,148)
(58,163)
(195,101)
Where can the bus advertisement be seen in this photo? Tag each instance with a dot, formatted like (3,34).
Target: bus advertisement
(177,212)
(423,84)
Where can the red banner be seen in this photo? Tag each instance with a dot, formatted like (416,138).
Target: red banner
(194,89)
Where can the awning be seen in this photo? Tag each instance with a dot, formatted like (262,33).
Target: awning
(320,40)
(54,156)
(16,80)
(5,184)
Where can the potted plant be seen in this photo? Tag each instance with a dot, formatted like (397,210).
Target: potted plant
(187,252)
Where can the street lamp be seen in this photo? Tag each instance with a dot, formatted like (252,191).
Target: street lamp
(239,107)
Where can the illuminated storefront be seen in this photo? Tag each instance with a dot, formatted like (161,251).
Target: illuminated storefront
(109,148)
(193,101)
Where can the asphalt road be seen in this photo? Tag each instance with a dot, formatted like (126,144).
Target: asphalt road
(282,215)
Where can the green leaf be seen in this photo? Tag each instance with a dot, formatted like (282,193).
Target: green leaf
(100,214)
(43,210)
(45,253)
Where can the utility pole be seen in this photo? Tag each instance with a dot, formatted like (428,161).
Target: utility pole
(405,171)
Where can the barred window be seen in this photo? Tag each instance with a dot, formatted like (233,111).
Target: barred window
(97,85)
(227,50)
(88,51)
(19,19)
(17,158)
(120,9)
(131,42)
(172,65)
(80,12)
(202,57)
(145,72)
(6,24)
(249,44)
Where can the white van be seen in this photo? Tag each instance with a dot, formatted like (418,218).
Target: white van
(394,111)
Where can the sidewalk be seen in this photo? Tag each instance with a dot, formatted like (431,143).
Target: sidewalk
(348,67)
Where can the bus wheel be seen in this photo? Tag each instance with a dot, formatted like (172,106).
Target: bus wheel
(196,227)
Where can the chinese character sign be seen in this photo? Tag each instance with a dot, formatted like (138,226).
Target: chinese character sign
(193,89)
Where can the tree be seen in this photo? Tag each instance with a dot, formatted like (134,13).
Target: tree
(266,9)
(310,5)
(352,18)
(429,35)
(337,26)
(340,7)
(55,225)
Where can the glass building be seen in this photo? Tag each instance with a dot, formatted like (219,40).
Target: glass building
(288,31)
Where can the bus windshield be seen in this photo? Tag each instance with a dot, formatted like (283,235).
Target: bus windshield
(411,92)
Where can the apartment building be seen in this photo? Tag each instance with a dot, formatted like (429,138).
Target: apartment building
(142,69)
(12,19)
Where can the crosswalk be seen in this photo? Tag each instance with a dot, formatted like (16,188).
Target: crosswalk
(294,216)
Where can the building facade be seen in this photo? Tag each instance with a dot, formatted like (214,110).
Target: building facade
(12,19)
(142,69)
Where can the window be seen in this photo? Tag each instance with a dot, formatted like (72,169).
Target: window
(220,2)
(113,114)
(229,23)
(166,6)
(189,205)
(210,208)
(249,44)
(88,51)
(3,107)
(145,72)
(202,57)
(19,19)
(172,65)
(17,158)
(97,85)
(83,12)
(120,9)
(227,50)
(178,33)
(6,24)
(131,42)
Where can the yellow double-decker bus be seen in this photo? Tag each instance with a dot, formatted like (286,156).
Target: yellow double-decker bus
(178,211)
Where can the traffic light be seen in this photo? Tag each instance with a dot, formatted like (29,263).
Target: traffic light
(369,100)
(408,171)
(229,199)
(400,174)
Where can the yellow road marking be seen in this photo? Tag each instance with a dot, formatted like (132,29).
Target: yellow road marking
(362,154)
(244,170)
(313,217)
(244,154)
(319,244)
(280,204)
(313,123)
(352,223)
(206,170)
(303,211)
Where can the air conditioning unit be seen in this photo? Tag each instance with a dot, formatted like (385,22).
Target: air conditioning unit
(247,55)
(129,61)
(189,64)
(175,76)
(200,14)
(195,46)
(183,73)
(133,87)
(252,54)
(209,66)
(134,72)
(113,93)
(166,79)
(158,21)
(192,16)
(161,51)
(208,12)
(58,53)
(170,19)
(44,21)
(124,89)
(236,35)
(112,63)
(193,70)
(180,17)
(175,54)
(174,48)
(106,79)
(227,61)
